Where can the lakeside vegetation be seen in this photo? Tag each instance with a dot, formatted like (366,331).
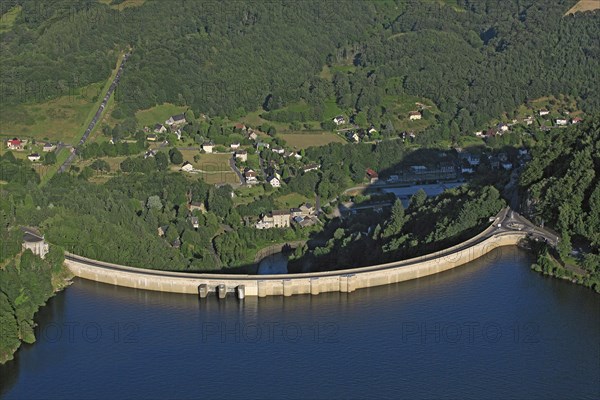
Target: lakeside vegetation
(562,186)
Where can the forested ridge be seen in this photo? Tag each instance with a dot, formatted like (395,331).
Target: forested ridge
(475,59)
(562,187)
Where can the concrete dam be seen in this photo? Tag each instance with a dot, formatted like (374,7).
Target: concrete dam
(499,234)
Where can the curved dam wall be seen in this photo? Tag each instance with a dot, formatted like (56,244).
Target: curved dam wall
(290,284)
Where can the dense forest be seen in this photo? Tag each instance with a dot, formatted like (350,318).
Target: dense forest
(562,186)
(476,59)
(26,281)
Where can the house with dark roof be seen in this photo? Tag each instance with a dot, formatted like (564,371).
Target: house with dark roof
(176,120)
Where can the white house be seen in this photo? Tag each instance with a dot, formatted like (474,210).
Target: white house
(273,181)
(414,115)
(353,136)
(561,122)
(15,144)
(34,157)
(48,147)
(241,155)
(159,128)
(187,167)
(311,167)
(176,120)
(278,150)
(544,112)
(507,165)
(339,120)
(234,146)
(208,147)
(250,176)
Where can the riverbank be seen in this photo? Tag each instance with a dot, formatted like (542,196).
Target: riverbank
(26,283)
(549,265)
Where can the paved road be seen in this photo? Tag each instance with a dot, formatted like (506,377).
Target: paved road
(96,118)
(236,170)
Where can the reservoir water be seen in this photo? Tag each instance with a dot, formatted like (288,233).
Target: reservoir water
(489,329)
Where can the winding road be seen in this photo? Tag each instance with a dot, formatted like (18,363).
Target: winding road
(96,118)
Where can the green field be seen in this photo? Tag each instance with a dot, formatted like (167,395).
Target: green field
(291,200)
(158,114)
(301,141)
(64,118)
(214,168)
(125,4)
(7,20)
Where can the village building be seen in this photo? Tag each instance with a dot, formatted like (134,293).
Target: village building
(162,230)
(15,144)
(414,115)
(196,206)
(576,120)
(250,176)
(241,155)
(372,175)
(208,147)
(187,167)
(275,219)
(310,167)
(561,122)
(274,181)
(502,128)
(252,135)
(339,120)
(262,145)
(234,146)
(176,120)
(544,112)
(195,222)
(48,147)
(152,137)
(34,157)
(307,209)
(418,169)
(446,167)
(159,128)
(149,154)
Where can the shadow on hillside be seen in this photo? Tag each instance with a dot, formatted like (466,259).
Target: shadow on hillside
(355,217)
